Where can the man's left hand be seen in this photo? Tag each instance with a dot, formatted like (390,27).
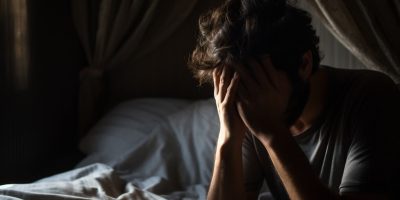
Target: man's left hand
(264,93)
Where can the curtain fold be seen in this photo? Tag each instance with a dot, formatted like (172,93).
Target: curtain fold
(368,28)
(115,33)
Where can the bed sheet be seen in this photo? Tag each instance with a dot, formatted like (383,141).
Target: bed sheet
(143,149)
(146,149)
(96,181)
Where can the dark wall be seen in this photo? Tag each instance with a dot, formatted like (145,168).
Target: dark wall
(39,125)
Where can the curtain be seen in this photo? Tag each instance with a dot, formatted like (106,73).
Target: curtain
(115,33)
(14,22)
(333,52)
(368,28)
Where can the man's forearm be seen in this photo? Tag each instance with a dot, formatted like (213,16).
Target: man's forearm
(227,180)
(295,170)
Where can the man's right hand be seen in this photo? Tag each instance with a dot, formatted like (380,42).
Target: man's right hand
(232,128)
(227,181)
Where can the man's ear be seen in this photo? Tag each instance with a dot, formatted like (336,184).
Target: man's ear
(305,69)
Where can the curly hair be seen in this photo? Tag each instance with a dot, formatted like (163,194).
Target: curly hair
(242,29)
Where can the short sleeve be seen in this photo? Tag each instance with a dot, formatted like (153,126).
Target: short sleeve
(372,163)
(253,174)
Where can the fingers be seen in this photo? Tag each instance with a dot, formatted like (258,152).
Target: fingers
(263,76)
(242,93)
(216,77)
(232,89)
(277,77)
(222,78)
(224,82)
(257,77)
(245,77)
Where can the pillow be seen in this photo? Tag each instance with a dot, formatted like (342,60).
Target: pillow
(196,129)
(126,125)
(179,148)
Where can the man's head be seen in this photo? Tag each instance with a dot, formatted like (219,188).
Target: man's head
(240,30)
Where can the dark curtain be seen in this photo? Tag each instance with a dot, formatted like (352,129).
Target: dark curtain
(116,34)
(40,57)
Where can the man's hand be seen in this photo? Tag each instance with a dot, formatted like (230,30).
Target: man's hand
(227,181)
(232,128)
(264,93)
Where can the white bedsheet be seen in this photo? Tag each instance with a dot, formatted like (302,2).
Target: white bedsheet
(149,149)
(95,181)
(146,149)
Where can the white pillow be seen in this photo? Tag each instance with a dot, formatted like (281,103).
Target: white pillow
(179,149)
(124,126)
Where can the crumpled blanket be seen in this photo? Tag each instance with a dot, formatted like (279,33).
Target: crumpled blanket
(98,181)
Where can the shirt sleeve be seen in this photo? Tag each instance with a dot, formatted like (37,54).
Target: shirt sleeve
(252,169)
(372,164)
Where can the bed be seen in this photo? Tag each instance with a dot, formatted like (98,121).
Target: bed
(147,148)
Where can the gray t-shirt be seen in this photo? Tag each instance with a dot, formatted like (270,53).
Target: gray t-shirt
(353,146)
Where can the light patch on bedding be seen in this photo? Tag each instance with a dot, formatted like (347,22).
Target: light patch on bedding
(6,186)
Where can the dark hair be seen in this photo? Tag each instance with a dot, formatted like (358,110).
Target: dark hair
(242,29)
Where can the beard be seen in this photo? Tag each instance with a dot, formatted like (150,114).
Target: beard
(297,100)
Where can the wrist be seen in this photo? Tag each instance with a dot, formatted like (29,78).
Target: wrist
(230,138)
(228,146)
(228,154)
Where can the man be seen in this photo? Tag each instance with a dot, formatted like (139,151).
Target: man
(310,131)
